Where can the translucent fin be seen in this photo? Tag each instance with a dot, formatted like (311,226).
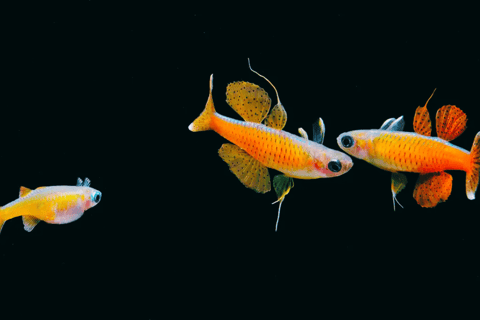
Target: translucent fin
(387,124)
(303,134)
(202,123)
(421,122)
(29,222)
(472,175)
(432,188)
(396,125)
(249,100)
(249,171)
(318,131)
(79,182)
(282,185)
(277,118)
(24,191)
(399,181)
(451,122)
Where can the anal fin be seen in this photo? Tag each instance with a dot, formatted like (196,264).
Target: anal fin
(451,122)
(432,188)
(248,170)
(29,222)
(399,181)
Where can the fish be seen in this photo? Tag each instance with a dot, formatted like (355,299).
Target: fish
(55,204)
(391,149)
(257,146)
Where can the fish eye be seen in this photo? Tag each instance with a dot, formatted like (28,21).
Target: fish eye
(96,197)
(334,166)
(347,141)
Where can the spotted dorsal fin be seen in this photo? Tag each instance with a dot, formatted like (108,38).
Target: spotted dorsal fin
(248,170)
(277,118)
(249,100)
(432,188)
(421,122)
(318,131)
(451,122)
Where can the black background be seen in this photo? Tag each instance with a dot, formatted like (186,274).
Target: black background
(107,91)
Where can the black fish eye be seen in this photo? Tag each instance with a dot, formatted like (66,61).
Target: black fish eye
(347,141)
(334,166)
(97,197)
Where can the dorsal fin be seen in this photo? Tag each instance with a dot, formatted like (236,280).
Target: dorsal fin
(451,122)
(396,125)
(318,131)
(249,100)
(387,124)
(421,122)
(24,191)
(303,133)
(278,116)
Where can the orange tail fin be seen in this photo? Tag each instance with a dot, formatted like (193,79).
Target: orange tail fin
(2,222)
(202,123)
(472,176)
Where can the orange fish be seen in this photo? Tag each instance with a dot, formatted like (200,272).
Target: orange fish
(57,204)
(393,150)
(258,146)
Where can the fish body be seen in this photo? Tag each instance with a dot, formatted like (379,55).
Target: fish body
(393,150)
(290,154)
(55,205)
(408,151)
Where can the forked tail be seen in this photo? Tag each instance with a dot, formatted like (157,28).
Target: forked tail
(202,123)
(472,175)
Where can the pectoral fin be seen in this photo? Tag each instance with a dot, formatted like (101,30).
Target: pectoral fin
(248,170)
(432,188)
(29,222)
(282,185)
(451,122)
(399,181)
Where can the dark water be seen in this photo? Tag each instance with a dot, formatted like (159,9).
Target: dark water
(107,92)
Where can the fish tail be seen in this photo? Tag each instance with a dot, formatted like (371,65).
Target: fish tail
(2,221)
(473,174)
(202,123)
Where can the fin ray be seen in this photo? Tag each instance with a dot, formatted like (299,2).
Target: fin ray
(473,174)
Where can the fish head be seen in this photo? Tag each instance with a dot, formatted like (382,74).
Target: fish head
(329,163)
(356,143)
(92,197)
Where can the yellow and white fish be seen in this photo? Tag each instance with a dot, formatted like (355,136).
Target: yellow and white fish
(256,146)
(56,204)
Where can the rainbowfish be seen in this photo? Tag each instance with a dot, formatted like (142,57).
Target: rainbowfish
(258,146)
(393,150)
(56,205)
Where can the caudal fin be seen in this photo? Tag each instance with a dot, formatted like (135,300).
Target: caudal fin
(202,123)
(2,222)
(472,175)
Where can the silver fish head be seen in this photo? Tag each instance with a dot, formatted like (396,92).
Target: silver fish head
(330,163)
(356,143)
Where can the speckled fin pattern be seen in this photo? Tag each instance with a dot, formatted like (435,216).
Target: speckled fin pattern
(451,122)
(250,101)
(249,171)
(432,188)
